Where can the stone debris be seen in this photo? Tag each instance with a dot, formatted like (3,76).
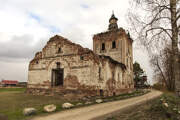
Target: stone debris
(99,101)
(85,98)
(79,104)
(88,102)
(162,99)
(67,105)
(129,92)
(50,108)
(165,104)
(29,111)
(175,109)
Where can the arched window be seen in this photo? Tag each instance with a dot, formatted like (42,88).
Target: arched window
(59,50)
(103,46)
(113,44)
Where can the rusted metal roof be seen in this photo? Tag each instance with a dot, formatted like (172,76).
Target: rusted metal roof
(9,82)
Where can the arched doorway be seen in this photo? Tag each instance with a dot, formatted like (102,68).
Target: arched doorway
(57,78)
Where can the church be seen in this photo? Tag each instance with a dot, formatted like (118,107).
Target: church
(67,67)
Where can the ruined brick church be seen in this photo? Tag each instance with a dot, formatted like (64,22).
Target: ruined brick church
(65,66)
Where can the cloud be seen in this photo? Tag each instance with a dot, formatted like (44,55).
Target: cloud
(14,70)
(26,26)
(20,47)
(84,6)
(34,16)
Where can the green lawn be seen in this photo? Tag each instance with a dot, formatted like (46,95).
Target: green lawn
(14,100)
(12,89)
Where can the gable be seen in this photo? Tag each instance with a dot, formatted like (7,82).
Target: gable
(58,46)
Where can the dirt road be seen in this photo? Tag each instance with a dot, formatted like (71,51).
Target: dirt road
(91,112)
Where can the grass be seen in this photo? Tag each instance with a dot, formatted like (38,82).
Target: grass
(12,89)
(14,100)
(153,110)
(170,112)
(125,96)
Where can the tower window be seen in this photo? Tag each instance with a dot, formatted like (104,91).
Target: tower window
(114,44)
(103,46)
(59,50)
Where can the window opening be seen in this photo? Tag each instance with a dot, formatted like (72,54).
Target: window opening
(59,50)
(103,46)
(101,92)
(114,44)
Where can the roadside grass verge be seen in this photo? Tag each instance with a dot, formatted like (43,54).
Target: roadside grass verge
(125,95)
(168,106)
(14,100)
(153,110)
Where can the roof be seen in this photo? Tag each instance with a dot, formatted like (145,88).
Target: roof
(9,82)
(83,50)
(108,33)
(123,66)
(113,17)
(60,39)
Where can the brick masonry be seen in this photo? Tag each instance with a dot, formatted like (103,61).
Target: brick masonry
(84,70)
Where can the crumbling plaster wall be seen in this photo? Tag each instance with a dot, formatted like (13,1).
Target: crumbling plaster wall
(108,37)
(72,66)
(122,53)
(82,68)
(86,71)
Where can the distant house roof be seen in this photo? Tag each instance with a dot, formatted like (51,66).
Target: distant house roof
(9,82)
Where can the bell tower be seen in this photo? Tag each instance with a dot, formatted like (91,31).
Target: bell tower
(113,22)
(117,44)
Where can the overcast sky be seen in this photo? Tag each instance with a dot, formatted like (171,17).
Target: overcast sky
(26,26)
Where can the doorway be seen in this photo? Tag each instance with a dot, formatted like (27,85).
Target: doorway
(57,77)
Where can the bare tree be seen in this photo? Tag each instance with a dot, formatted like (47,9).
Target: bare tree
(162,64)
(157,24)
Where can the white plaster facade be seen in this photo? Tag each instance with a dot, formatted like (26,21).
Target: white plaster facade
(67,66)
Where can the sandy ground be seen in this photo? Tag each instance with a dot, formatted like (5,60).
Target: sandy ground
(98,110)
